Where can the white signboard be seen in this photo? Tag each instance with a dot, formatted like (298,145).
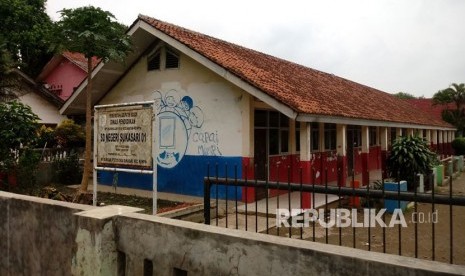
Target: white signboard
(124,136)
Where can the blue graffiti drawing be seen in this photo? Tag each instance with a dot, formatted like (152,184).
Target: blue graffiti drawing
(177,117)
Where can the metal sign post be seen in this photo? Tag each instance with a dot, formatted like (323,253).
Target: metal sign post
(124,141)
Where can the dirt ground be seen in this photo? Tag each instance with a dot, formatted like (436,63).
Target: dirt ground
(65,193)
(401,240)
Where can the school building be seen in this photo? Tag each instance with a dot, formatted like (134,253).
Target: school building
(221,103)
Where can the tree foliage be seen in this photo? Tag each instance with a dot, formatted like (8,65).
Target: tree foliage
(69,135)
(410,155)
(18,130)
(94,33)
(455,94)
(404,95)
(27,31)
(459,146)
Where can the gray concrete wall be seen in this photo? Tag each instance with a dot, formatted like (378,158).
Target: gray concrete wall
(45,237)
(209,250)
(36,235)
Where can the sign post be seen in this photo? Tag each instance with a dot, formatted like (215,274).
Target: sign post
(124,141)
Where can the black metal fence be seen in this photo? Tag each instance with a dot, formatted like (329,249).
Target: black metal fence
(434,230)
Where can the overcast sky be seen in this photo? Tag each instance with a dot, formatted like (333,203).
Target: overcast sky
(414,46)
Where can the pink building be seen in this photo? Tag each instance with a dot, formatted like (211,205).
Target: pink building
(64,72)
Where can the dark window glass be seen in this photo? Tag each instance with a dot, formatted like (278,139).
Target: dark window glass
(297,137)
(284,141)
(373,136)
(274,119)
(261,118)
(172,60)
(154,62)
(330,136)
(315,130)
(284,120)
(274,141)
(393,135)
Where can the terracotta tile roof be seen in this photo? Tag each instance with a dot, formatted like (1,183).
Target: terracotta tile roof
(80,60)
(426,105)
(303,89)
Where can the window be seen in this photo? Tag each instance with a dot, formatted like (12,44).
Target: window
(315,133)
(154,61)
(330,136)
(297,136)
(393,135)
(355,135)
(162,58)
(172,60)
(373,136)
(277,126)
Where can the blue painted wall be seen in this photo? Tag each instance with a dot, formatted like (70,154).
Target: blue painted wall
(186,178)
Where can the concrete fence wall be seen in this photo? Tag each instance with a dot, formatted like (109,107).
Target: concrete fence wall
(44,237)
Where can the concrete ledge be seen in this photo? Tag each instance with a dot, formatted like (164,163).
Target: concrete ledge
(108,211)
(209,250)
(45,201)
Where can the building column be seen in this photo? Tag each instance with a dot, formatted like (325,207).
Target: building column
(449,144)
(428,136)
(341,146)
(410,132)
(434,140)
(248,151)
(398,132)
(321,131)
(365,152)
(305,160)
(384,142)
(441,142)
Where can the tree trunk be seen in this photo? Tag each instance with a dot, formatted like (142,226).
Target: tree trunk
(88,151)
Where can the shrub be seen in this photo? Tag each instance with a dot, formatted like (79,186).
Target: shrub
(459,145)
(27,168)
(409,156)
(70,135)
(45,137)
(67,170)
(18,129)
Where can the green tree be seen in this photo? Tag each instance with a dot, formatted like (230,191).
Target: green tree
(28,32)
(18,130)
(410,155)
(404,95)
(94,33)
(455,95)
(69,135)
(6,69)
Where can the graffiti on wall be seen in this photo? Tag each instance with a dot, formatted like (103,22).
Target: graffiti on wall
(180,121)
(207,143)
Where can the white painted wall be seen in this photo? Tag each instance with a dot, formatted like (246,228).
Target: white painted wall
(220,103)
(47,112)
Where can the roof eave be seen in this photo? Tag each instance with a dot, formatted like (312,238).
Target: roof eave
(305,117)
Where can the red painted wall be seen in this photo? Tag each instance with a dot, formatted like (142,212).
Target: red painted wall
(374,158)
(68,75)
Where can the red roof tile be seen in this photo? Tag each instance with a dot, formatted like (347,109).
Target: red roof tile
(303,89)
(80,60)
(426,105)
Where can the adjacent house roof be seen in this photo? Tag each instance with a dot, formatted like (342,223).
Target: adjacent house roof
(76,58)
(309,93)
(38,89)
(80,60)
(426,105)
